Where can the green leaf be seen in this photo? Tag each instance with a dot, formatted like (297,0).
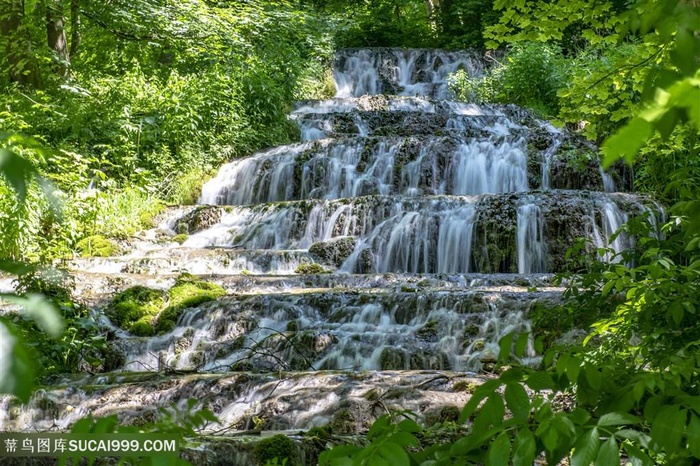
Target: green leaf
(540,381)
(521,344)
(505,344)
(409,425)
(517,400)
(484,390)
(668,426)
(499,451)
(586,448)
(609,454)
(593,377)
(380,426)
(626,142)
(42,311)
(617,419)
(16,367)
(636,456)
(524,448)
(693,435)
(16,170)
(394,454)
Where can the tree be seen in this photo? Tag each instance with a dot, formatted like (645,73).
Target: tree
(56,35)
(21,63)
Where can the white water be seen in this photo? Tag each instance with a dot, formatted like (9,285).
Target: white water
(532,248)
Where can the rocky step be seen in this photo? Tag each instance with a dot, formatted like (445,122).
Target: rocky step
(372,329)
(410,165)
(97,288)
(486,233)
(208,261)
(396,123)
(415,104)
(348,402)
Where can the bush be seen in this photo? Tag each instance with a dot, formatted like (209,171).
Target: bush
(529,75)
(97,246)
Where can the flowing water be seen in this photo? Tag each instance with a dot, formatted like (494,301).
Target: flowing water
(439,224)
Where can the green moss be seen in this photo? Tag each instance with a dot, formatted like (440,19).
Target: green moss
(278,446)
(181,238)
(143,312)
(187,292)
(133,304)
(310,269)
(97,246)
(142,327)
(429,331)
(465,386)
(447,413)
(343,423)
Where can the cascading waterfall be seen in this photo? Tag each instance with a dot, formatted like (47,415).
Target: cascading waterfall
(420,209)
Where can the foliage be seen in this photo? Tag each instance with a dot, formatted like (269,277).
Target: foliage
(184,424)
(157,94)
(529,75)
(17,371)
(388,444)
(410,23)
(97,246)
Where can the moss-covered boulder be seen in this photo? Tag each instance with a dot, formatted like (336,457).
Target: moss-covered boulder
(97,246)
(144,311)
(278,446)
(187,292)
(310,269)
(134,309)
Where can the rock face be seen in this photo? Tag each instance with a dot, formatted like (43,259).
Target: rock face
(423,209)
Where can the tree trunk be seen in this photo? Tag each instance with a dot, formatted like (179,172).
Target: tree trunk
(56,35)
(22,64)
(75,37)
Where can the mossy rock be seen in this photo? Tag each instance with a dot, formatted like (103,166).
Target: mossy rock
(181,238)
(142,327)
(465,386)
(199,219)
(97,246)
(133,305)
(447,413)
(187,292)
(278,446)
(428,332)
(333,252)
(343,423)
(392,359)
(310,269)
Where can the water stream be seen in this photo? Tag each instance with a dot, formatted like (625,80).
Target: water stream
(434,220)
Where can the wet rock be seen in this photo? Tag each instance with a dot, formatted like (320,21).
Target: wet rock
(333,252)
(447,413)
(199,219)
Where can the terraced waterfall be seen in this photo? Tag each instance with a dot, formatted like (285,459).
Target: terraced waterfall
(382,257)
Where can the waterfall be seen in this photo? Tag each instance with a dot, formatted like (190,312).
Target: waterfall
(386,241)
(532,249)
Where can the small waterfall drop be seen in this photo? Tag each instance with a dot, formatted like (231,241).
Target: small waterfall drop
(532,249)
